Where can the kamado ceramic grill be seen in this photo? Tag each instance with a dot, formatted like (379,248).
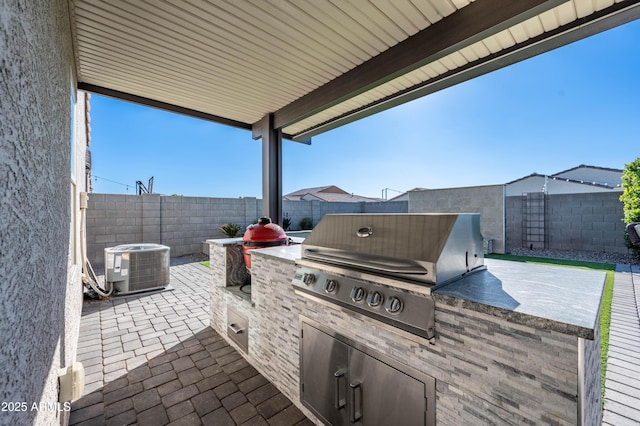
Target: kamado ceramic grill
(261,235)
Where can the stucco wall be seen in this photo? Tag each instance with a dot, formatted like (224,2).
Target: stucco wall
(38,286)
(486,200)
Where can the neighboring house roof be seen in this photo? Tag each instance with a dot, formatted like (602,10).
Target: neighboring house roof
(405,195)
(326,193)
(317,189)
(593,174)
(578,179)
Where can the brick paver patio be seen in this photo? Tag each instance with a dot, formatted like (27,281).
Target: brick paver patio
(152,359)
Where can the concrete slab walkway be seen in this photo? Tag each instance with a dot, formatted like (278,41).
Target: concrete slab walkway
(152,359)
(622,384)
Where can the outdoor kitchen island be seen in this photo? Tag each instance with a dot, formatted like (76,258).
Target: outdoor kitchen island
(514,344)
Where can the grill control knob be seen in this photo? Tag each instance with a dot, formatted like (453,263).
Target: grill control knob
(331,286)
(358,294)
(393,305)
(308,278)
(375,299)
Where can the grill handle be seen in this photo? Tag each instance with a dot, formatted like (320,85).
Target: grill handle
(235,328)
(379,264)
(339,402)
(355,415)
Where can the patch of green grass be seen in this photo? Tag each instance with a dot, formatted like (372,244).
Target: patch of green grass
(560,262)
(205,263)
(605,304)
(605,321)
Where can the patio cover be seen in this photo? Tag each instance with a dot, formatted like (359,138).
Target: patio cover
(297,68)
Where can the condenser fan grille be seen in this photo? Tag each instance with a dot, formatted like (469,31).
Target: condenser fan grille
(147,270)
(132,268)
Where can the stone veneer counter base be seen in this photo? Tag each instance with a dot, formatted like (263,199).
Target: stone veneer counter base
(493,359)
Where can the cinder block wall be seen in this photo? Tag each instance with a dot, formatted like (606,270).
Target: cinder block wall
(513,222)
(112,220)
(297,210)
(486,200)
(587,221)
(183,223)
(188,221)
(590,222)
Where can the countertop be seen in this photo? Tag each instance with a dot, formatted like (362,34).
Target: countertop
(238,240)
(225,241)
(556,298)
(288,253)
(566,300)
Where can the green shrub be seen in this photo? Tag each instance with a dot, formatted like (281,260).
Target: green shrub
(230,229)
(306,223)
(630,197)
(286,222)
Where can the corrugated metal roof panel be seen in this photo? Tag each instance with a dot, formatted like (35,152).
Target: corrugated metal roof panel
(519,33)
(232,56)
(243,59)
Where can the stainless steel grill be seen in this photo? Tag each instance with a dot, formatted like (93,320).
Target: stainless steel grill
(384,266)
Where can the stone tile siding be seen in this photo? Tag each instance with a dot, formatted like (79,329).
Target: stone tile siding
(592,379)
(486,369)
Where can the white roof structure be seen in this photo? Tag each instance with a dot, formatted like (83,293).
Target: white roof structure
(327,193)
(603,176)
(313,64)
(579,179)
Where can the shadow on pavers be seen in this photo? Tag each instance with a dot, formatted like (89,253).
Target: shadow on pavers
(201,380)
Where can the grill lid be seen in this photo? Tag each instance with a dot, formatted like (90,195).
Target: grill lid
(431,248)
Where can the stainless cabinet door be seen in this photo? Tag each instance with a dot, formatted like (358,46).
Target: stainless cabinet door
(381,395)
(324,372)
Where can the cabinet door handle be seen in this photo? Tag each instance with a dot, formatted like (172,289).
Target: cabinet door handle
(339,402)
(355,415)
(235,329)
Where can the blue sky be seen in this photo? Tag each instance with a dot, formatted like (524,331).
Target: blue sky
(579,104)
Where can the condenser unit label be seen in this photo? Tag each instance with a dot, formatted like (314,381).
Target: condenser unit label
(118,264)
(109,260)
(124,272)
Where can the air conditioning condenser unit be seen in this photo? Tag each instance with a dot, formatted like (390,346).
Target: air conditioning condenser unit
(132,268)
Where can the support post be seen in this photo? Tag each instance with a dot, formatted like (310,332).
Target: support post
(271,168)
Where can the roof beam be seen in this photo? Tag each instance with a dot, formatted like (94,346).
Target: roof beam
(263,126)
(470,24)
(140,100)
(160,105)
(605,19)
(153,103)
